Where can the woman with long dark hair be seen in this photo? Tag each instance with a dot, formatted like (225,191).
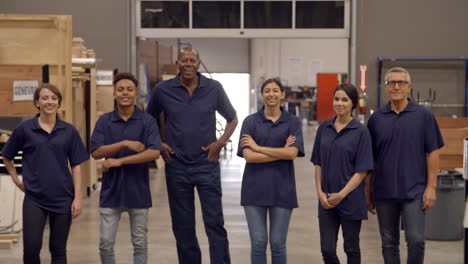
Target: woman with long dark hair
(342,155)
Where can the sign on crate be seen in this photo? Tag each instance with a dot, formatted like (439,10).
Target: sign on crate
(24,90)
(104,77)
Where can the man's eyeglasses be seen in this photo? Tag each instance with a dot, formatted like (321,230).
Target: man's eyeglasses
(394,83)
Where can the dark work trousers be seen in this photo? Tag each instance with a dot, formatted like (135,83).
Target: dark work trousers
(181,180)
(34,220)
(329,226)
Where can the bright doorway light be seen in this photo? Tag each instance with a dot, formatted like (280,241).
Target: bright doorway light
(237,89)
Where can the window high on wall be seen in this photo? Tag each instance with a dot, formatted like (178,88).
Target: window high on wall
(243,18)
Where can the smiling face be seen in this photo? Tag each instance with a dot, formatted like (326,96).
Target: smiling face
(272,95)
(48,102)
(342,104)
(397,86)
(188,62)
(125,93)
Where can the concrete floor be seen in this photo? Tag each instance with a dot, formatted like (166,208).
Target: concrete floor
(303,239)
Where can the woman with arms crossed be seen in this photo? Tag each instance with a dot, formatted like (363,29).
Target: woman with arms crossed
(270,140)
(51,190)
(342,155)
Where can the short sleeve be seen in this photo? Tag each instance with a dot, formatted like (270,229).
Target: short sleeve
(78,153)
(14,143)
(296,131)
(155,107)
(153,140)
(315,158)
(432,138)
(98,136)
(224,106)
(364,158)
(247,129)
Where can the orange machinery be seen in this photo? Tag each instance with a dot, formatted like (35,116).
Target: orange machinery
(326,84)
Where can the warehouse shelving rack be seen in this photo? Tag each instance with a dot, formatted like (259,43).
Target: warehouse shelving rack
(382,59)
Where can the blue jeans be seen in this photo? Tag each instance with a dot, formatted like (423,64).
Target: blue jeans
(110,218)
(329,225)
(181,180)
(279,224)
(414,220)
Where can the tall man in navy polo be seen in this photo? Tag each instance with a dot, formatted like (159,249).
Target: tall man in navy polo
(191,151)
(128,138)
(406,142)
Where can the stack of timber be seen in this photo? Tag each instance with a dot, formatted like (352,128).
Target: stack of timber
(84,103)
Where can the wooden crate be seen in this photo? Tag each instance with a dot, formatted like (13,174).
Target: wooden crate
(9,74)
(453,131)
(37,40)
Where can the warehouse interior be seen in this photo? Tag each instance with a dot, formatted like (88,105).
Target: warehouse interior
(81,44)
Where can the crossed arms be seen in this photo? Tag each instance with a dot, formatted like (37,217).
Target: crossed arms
(259,154)
(142,155)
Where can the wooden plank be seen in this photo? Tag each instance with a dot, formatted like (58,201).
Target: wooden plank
(8,74)
(79,121)
(6,244)
(13,236)
(92,173)
(84,116)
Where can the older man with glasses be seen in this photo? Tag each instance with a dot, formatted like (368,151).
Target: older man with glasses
(406,142)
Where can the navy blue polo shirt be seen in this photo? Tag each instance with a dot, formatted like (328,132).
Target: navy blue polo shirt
(271,183)
(46,176)
(128,185)
(190,121)
(341,155)
(401,143)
